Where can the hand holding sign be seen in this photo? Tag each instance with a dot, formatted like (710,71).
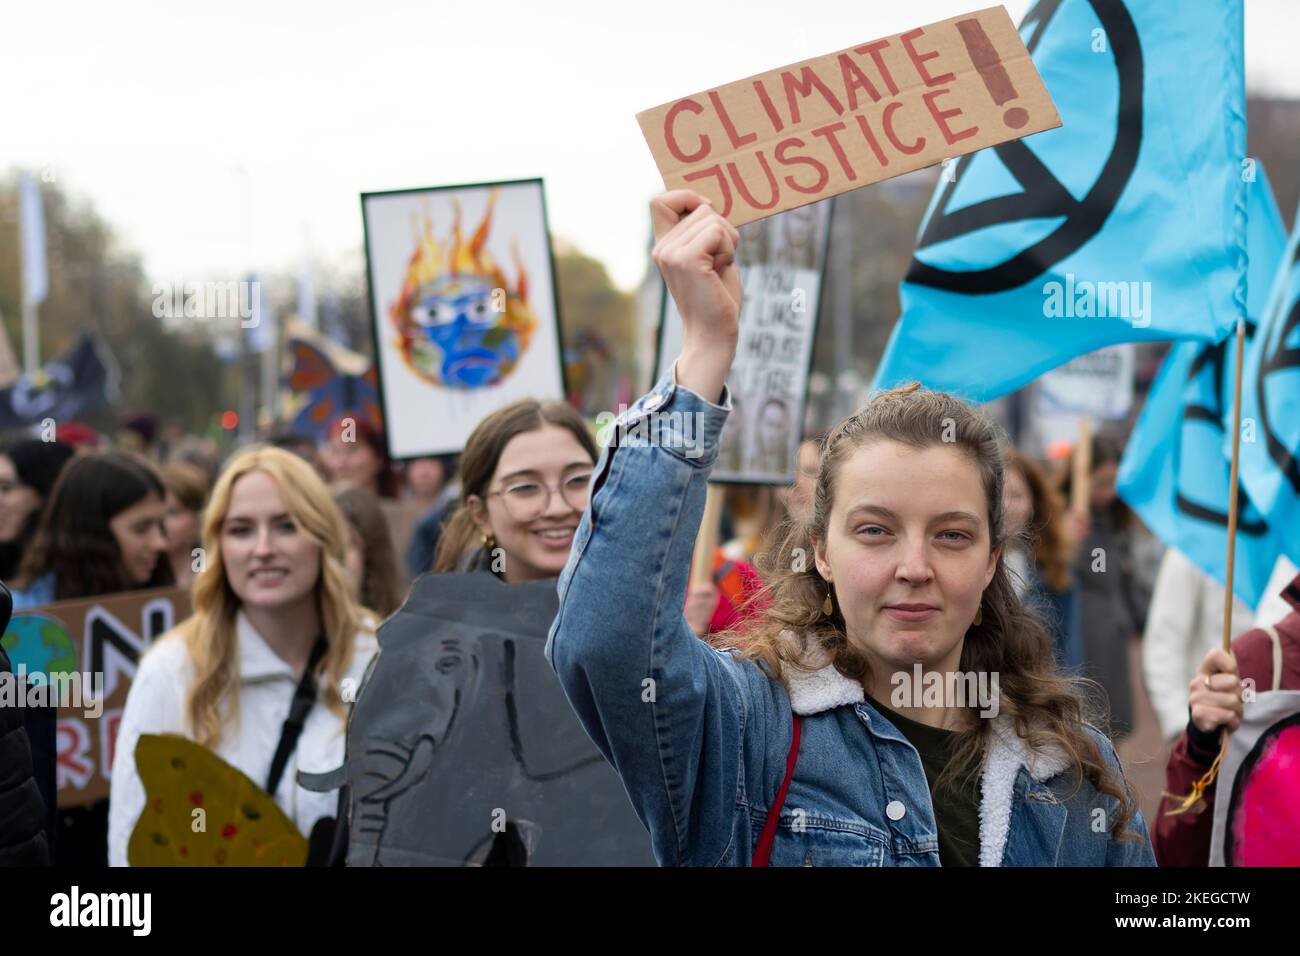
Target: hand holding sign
(695,250)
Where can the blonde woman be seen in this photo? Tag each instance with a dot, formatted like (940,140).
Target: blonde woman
(274,625)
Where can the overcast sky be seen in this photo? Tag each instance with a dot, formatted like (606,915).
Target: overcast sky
(215,136)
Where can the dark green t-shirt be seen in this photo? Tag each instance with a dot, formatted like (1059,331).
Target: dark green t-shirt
(956,813)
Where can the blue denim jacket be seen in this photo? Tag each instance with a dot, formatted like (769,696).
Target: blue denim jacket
(700,736)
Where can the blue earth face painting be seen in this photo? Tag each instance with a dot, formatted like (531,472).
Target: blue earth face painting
(460,323)
(41,645)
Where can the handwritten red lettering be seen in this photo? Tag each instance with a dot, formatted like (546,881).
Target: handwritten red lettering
(873,50)
(918,59)
(941,117)
(768,108)
(714,170)
(828,133)
(823,174)
(670,137)
(887,123)
(728,125)
(746,195)
(804,87)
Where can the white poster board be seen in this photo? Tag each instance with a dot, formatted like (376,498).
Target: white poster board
(1097,386)
(782,259)
(463,308)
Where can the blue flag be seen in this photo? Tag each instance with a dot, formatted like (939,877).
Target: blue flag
(1270,403)
(1174,472)
(1125,224)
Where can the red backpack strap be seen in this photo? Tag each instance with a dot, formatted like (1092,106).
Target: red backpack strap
(764,851)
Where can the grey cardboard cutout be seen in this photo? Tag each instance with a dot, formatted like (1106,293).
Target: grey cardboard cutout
(462,748)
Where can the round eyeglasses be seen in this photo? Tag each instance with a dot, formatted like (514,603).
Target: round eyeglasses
(527,501)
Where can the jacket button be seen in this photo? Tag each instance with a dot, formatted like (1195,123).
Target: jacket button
(895,810)
(653,401)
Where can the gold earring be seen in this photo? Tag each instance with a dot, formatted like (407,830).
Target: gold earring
(979,614)
(489,542)
(828,608)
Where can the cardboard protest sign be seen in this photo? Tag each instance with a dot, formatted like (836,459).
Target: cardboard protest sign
(82,657)
(462,748)
(463,308)
(1097,386)
(823,126)
(242,824)
(781,262)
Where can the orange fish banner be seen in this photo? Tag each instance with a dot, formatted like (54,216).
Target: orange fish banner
(869,112)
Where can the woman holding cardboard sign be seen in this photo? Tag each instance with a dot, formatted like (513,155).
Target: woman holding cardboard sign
(785,751)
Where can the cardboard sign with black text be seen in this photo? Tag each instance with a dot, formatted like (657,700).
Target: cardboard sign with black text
(81,656)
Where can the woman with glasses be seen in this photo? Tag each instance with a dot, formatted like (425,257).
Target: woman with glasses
(525,473)
(420,753)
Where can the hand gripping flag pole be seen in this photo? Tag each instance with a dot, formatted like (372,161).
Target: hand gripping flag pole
(1237,122)
(1199,788)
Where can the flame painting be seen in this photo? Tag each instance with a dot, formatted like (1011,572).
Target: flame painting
(460,323)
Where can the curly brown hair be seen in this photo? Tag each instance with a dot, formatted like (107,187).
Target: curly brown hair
(1045,708)
(1047,536)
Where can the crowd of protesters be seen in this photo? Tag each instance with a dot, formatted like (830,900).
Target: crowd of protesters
(294,552)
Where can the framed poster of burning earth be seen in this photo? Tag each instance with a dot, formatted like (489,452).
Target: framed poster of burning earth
(463,307)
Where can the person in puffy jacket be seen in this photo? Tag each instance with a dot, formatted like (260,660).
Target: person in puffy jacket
(22,811)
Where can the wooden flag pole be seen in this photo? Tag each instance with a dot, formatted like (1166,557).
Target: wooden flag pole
(1232,490)
(1199,788)
(706,541)
(1080,489)
(9,370)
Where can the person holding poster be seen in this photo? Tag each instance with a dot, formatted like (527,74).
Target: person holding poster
(101,532)
(785,753)
(1112,601)
(274,623)
(461,673)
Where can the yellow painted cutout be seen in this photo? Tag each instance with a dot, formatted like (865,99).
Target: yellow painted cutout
(241,824)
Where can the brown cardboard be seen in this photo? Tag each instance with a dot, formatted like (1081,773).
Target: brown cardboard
(106,636)
(869,112)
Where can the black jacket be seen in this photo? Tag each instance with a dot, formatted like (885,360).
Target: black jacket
(22,811)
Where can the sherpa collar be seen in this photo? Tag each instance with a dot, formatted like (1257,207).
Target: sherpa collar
(825,688)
